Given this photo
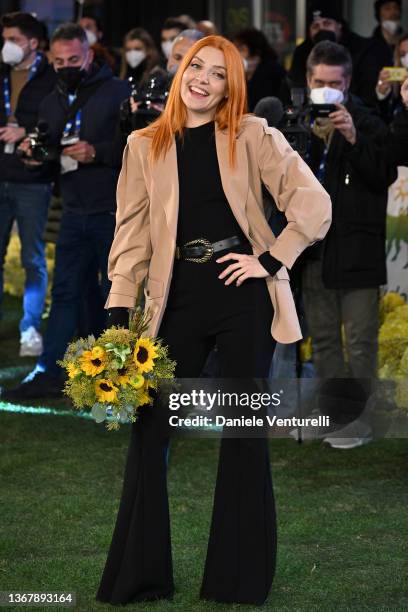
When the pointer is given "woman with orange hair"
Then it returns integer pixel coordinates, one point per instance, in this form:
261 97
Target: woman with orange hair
190 221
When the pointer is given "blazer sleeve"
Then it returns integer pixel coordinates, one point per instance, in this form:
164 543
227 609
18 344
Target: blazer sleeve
131 250
297 193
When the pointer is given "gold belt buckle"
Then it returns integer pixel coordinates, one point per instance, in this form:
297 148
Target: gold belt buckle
209 251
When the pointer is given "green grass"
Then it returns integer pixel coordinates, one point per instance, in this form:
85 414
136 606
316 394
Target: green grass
342 516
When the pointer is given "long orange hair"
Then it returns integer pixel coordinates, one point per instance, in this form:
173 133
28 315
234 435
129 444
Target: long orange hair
228 114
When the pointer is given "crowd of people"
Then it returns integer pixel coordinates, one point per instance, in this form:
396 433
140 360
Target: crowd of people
67 107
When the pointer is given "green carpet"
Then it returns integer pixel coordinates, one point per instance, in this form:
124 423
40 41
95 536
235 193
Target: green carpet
342 515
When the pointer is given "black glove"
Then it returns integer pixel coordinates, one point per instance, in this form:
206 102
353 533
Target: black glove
118 316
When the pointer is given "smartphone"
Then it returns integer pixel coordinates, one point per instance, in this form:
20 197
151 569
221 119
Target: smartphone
397 73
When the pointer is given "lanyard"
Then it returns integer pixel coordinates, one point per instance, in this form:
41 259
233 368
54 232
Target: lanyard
76 121
321 171
6 84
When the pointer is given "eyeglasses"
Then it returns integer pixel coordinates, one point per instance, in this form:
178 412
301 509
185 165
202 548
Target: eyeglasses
212 74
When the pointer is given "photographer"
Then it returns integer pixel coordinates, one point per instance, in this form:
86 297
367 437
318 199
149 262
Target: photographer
82 114
369 55
341 276
25 79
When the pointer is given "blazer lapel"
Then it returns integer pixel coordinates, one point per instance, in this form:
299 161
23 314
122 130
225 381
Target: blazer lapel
166 186
234 180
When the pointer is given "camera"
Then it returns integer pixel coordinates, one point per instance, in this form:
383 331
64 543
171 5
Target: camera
297 118
41 150
151 99
153 95
295 129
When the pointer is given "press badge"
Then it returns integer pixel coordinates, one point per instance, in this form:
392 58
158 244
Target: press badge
10 147
68 164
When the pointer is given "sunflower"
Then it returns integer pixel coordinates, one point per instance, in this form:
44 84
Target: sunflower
144 354
105 390
72 369
123 377
93 362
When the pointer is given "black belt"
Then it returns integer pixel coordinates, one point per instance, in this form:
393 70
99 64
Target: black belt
202 250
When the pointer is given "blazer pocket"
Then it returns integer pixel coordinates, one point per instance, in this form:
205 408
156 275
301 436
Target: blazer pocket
154 288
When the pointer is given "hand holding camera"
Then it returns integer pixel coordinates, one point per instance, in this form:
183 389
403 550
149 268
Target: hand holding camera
81 151
25 153
343 122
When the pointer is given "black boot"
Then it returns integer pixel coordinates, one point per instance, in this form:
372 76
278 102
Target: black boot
43 385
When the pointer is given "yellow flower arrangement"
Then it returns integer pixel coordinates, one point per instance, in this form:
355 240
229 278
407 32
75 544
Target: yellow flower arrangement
393 346
112 375
93 362
389 302
144 355
105 390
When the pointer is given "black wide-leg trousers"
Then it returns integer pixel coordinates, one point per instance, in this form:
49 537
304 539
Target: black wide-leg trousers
241 555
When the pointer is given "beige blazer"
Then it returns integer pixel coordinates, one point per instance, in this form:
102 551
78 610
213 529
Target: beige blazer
146 220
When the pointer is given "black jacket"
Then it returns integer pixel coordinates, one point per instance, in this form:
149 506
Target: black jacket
378 35
368 54
91 188
266 81
397 140
33 92
357 179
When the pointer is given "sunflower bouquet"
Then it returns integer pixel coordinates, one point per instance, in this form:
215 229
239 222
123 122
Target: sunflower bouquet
114 374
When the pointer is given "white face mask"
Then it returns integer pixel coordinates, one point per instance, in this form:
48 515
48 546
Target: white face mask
11 53
245 62
134 57
166 48
326 95
390 26
91 36
404 60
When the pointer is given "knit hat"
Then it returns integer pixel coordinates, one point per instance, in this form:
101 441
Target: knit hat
379 3
321 10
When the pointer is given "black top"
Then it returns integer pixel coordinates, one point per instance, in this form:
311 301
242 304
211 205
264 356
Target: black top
204 211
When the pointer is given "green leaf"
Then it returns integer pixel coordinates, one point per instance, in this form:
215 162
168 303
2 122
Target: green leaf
98 412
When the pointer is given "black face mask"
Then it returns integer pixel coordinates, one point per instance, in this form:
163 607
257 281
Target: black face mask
324 35
71 77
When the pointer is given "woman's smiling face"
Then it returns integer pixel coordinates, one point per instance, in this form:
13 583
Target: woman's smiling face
204 85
